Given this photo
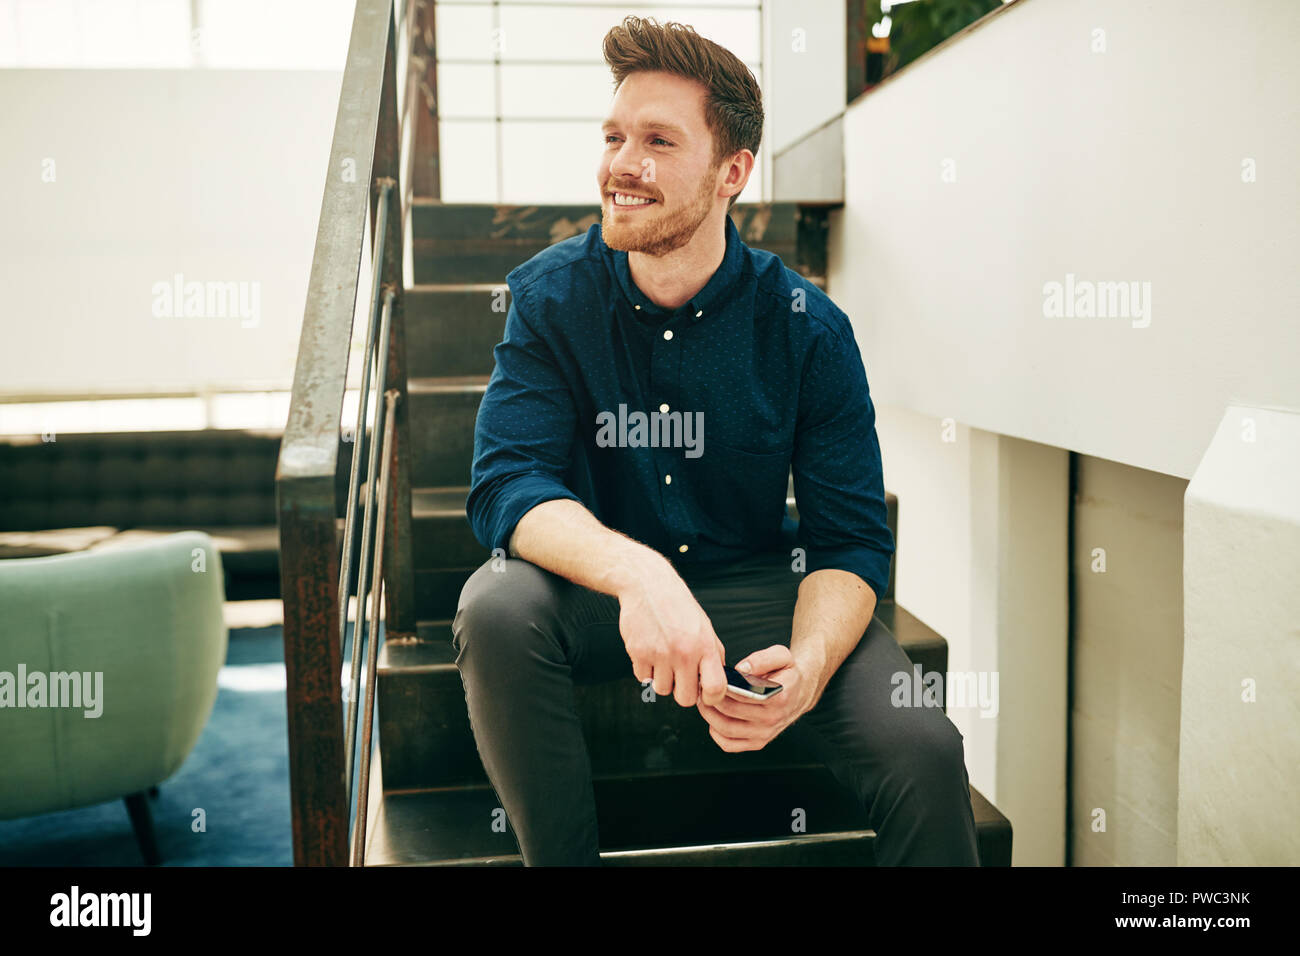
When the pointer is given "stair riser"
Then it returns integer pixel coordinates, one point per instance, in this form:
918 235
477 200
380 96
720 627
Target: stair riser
437 591
440 542
442 436
453 333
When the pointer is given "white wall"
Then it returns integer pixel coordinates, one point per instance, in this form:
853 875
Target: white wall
1116 165
1239 753
214 174
1127 664
982 531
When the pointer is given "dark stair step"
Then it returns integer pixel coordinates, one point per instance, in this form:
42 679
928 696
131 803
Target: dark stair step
451 330
441 535
444 549
442 415
729 817
427 741
482 242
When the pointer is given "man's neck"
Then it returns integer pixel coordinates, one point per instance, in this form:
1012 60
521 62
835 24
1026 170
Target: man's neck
670 280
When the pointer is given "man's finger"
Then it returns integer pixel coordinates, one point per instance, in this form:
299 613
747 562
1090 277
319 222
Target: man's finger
686 689
663 680
713 681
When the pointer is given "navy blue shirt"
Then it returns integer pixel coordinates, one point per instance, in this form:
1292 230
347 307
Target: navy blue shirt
760 357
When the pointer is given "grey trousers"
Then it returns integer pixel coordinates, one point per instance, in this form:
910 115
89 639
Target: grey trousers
524 636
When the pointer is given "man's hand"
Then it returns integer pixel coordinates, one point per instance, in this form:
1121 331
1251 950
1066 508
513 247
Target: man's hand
670 639
737 725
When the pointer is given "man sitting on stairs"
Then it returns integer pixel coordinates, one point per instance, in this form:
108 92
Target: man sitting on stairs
620 555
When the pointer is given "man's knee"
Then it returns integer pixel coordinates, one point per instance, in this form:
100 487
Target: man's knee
500 602
931 752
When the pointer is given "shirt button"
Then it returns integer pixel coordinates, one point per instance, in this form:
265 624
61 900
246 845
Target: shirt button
663 407
668 479
637 307
668 334
682 548
699 313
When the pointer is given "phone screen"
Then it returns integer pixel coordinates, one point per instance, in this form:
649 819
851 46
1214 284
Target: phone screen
760 686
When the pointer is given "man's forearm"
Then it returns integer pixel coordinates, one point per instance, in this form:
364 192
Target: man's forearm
565 538
833 611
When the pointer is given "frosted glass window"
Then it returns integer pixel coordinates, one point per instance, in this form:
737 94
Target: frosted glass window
669 10
464 31
280 34
466 90
102 34
550 162
469 161
571 92
574 34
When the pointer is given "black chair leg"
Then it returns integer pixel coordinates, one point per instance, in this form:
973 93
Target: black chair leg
142 823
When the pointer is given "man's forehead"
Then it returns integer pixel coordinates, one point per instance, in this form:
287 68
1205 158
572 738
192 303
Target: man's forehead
664 109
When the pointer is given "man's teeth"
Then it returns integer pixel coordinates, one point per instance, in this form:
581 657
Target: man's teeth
623 200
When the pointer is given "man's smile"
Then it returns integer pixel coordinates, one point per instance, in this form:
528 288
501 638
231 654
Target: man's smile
631 201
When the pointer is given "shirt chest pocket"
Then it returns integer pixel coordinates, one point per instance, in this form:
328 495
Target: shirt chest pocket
742 492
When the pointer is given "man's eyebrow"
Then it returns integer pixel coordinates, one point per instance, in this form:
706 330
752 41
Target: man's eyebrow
665 127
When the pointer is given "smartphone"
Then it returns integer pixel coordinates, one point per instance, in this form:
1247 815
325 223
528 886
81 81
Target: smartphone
753 688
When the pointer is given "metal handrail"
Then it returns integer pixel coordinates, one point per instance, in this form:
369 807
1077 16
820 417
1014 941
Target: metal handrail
372 645
367 532
315 579
363 635
362 407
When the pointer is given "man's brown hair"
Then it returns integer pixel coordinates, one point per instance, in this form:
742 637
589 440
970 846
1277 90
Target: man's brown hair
733 107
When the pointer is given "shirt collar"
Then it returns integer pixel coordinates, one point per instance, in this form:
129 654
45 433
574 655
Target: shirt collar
705 302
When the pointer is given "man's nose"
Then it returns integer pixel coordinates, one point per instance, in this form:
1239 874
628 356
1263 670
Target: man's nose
626 164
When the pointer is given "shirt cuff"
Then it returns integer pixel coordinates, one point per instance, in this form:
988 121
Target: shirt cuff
870 565
499 510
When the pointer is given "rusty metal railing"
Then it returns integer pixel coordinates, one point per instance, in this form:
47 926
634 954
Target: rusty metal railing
317 537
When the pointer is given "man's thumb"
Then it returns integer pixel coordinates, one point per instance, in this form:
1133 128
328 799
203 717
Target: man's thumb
765 660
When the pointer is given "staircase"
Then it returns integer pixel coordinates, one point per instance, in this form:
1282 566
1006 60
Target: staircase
431 803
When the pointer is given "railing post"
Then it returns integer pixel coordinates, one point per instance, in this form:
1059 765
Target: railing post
309 573
426 166
306 473
399 566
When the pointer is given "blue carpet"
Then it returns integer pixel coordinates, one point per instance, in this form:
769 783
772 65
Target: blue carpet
238 773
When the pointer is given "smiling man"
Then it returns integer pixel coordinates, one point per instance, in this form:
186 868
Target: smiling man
636 557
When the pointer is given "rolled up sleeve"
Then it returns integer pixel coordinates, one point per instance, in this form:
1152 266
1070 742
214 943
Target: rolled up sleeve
838 479
524 433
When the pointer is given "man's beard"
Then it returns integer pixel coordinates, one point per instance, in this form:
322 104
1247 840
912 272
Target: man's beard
659 235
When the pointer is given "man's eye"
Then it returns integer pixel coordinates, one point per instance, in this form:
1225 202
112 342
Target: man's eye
657 139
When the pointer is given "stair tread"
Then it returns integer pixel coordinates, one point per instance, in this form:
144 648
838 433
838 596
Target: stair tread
427 652
446 501
419 287
908 629
734 809
448 383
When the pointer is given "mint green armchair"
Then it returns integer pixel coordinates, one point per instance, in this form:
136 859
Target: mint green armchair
141 627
